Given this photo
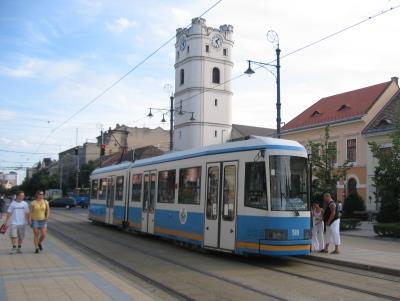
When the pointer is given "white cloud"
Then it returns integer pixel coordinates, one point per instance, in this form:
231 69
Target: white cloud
6 115
33 67
181 16
120 25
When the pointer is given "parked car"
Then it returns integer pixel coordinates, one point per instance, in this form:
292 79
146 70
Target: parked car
66 202
82 201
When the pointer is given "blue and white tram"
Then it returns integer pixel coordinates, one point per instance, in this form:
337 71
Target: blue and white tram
249 196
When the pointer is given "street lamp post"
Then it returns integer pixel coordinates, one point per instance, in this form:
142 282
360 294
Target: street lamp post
170 112
272 37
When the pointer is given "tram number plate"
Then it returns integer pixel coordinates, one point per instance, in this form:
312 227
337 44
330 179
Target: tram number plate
295 232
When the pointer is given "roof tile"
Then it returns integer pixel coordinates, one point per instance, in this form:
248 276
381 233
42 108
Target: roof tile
340 107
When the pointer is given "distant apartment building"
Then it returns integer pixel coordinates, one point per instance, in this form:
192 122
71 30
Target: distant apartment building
8 180
71 160
348 115
124 138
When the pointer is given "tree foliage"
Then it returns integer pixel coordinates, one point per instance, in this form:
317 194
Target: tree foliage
41 180
354 202
387 177
323 161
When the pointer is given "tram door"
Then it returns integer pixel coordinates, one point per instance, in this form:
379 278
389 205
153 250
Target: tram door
110 200
149 197
221 202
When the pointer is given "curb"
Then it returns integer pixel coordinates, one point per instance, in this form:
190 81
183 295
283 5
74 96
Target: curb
356 265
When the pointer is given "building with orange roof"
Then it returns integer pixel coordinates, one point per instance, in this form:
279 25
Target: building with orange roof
347 114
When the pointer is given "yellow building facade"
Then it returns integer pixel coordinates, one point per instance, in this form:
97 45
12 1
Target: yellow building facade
347 115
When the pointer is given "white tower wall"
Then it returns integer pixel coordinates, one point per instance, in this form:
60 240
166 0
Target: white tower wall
200 49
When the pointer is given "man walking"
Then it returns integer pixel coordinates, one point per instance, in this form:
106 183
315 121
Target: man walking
332 223
18 213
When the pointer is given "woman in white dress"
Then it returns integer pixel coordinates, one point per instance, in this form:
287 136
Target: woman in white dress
318 227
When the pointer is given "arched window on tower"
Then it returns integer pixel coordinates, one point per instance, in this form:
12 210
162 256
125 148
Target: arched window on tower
215 76
182 77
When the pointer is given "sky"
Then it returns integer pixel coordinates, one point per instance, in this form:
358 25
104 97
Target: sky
57 56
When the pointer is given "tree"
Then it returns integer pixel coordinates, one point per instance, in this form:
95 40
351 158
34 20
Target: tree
323 159
39 181
84 174
387 176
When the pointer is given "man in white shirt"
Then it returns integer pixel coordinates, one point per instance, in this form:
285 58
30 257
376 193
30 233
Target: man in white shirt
18 213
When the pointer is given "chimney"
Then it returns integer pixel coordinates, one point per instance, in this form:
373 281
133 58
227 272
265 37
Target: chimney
395 79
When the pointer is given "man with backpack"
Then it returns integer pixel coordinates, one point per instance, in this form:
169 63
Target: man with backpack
332 223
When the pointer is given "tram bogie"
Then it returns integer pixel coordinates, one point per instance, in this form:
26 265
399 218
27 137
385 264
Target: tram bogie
243 197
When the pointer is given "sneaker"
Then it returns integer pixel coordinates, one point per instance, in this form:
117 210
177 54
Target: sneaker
13 251
19 251
36 251
40 247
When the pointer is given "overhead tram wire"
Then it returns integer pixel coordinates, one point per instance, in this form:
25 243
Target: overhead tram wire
298 50
233 78
121 78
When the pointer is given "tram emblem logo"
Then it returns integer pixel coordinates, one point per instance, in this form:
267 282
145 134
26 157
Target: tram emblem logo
183 215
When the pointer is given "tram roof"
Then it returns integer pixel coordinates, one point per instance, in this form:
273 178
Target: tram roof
110 168
255 143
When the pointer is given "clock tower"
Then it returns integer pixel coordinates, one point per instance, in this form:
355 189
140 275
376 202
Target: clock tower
203 64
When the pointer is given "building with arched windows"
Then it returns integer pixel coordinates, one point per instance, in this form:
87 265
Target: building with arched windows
354 118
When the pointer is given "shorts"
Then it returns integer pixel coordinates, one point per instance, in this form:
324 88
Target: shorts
333 233
39 224
17 231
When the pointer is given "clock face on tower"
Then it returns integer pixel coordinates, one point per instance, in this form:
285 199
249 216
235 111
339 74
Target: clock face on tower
182 43
216 41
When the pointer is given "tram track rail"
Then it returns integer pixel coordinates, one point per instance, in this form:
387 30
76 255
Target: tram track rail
301 259
167 289
88 250
258 265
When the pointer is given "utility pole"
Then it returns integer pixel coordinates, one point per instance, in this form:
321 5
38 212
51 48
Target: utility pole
77 160
171 124
101 145
61 173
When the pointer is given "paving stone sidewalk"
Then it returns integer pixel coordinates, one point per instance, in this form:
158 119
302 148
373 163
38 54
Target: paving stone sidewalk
362 248
59 273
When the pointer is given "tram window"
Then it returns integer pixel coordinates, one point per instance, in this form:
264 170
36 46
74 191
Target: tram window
212 192
229 195
289 188
166 186
95 189
146 191
189 185
119 189
110 189
136 187
255 185
103 189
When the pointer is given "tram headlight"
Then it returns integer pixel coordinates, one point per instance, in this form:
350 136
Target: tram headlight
276 234
307 233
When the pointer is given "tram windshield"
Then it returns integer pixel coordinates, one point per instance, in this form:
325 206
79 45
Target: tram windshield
288 178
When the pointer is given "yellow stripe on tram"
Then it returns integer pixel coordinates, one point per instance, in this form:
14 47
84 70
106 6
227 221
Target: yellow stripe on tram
250 245
179 233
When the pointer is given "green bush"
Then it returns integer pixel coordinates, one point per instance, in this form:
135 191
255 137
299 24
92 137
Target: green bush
390 230
349 223
354 202
390 209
